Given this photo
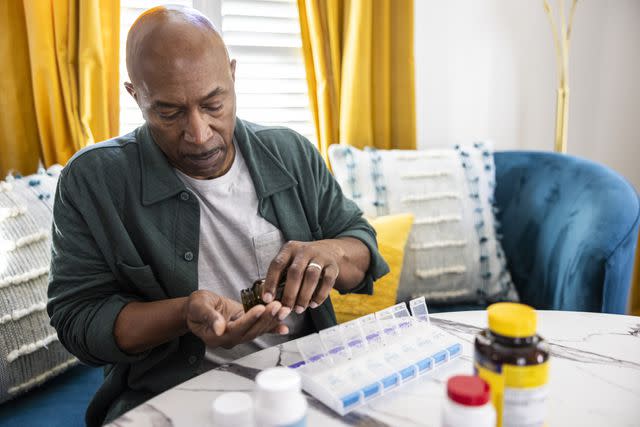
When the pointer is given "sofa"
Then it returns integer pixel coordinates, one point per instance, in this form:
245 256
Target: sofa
569 233
570 230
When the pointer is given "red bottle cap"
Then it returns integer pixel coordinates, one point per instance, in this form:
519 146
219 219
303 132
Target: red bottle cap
468 390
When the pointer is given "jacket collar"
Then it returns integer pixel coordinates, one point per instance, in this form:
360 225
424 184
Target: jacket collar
268 173
160 182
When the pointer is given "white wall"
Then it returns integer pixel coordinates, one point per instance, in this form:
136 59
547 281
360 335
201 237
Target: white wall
487 69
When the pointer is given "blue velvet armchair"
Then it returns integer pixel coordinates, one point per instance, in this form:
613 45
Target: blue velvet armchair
570 229
569 233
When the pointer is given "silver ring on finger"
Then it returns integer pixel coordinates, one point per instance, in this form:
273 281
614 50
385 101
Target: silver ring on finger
315 265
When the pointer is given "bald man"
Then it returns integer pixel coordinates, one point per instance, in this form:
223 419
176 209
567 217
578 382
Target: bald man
156 232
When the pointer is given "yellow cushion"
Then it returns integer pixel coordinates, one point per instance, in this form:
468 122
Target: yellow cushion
393 231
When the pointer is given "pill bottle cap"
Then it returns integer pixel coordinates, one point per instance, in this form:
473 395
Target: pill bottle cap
512 320
276 385
468 390
233 410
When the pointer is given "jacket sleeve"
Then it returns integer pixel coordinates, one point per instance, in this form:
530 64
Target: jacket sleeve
84 298
339 216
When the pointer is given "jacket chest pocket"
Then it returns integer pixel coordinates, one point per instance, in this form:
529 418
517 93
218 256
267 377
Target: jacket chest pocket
266 246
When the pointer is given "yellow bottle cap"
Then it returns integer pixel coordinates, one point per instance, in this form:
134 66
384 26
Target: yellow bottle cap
512 320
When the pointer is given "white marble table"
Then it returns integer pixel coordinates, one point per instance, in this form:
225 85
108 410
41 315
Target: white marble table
594 379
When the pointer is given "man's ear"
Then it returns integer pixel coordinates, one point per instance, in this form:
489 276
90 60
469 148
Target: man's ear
233 69
131 90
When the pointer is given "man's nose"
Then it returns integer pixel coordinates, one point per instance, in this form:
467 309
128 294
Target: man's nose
197 129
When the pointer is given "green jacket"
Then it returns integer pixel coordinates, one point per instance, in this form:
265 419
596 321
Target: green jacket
125 228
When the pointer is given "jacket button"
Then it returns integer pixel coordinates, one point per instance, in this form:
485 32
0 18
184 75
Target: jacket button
188 256
192 360
184 196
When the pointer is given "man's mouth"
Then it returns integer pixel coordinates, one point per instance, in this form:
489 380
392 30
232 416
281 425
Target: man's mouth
204 156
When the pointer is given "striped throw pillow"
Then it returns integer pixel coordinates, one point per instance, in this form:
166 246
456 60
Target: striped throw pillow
453 254
30 352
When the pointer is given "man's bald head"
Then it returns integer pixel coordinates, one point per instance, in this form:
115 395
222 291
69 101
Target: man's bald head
168 34
184 83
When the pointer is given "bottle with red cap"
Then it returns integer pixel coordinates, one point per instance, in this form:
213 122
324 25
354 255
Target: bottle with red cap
468 403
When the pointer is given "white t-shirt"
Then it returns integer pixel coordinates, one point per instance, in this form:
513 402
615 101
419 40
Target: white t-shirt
236 247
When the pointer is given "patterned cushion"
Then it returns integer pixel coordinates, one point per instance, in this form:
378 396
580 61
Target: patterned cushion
30 352
453 254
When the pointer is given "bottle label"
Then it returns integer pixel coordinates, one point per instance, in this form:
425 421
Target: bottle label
519 393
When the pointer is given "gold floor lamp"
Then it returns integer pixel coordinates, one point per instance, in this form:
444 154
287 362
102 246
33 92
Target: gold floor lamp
561 39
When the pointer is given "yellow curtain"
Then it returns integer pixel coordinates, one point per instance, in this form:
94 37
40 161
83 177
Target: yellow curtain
360 71
59 83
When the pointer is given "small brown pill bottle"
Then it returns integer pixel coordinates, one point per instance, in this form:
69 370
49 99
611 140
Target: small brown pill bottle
252 296
513 359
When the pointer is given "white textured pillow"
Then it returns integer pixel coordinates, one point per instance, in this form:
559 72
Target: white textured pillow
29 349
453 254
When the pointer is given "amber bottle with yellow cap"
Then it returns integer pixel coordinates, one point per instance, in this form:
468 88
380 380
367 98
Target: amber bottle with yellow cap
513 359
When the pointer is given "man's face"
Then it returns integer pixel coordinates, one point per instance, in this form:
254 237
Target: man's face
189 104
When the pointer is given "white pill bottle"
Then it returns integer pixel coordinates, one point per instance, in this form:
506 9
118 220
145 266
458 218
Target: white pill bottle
468 403
233 410
279 401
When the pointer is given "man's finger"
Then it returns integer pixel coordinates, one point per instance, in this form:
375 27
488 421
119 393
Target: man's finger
218 323
265 323
273 307
204 315
312 277
326 284
281 329
238 327
276 270
295 275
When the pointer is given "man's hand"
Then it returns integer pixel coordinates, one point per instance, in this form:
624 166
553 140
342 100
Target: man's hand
222 322
313 269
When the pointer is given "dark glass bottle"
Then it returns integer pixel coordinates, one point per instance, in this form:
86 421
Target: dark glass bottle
491 347
252 296
513 359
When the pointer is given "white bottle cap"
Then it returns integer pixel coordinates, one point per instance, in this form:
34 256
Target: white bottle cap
277 384
233 410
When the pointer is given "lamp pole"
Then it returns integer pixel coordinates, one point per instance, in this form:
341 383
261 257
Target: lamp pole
562 41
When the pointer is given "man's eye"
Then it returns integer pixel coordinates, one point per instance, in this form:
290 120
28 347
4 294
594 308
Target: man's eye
213 107
169 116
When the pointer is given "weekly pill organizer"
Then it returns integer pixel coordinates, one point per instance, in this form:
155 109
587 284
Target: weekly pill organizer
350 364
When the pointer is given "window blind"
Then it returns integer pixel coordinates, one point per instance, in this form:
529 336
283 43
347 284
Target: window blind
264 38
